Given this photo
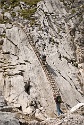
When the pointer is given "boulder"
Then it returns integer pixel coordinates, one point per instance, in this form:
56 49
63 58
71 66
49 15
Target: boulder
7 15
8 119
76 108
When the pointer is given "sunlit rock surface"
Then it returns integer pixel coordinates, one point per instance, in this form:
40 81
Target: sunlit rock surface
57 32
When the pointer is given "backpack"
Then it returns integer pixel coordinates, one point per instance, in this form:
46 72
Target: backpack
58 99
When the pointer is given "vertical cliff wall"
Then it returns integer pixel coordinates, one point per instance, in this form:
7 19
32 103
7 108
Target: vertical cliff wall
56 29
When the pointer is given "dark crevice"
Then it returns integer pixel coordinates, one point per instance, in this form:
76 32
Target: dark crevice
79 91
23 123
27 87
12 43
65 78
20 108
78 101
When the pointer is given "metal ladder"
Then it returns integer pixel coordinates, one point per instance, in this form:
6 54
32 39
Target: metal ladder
51 80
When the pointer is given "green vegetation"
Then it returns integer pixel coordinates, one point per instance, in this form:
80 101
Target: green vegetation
32 21
73 11
13 3
2 35
27 13
13 14
31 2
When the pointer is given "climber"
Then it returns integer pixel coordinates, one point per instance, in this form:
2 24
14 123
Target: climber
58 101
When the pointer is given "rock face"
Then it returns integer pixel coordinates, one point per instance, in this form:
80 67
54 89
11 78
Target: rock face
70 120
55 29
8 119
